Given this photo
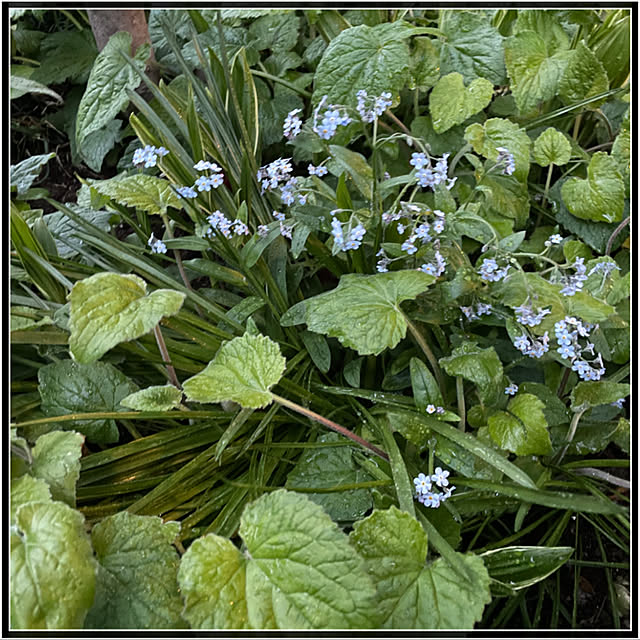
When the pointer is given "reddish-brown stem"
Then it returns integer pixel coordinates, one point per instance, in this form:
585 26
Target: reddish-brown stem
165 357
331 425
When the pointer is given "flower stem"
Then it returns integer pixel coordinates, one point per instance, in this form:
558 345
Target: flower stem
334 426
615 233
165 357
572 432
546 186
461 405
426 349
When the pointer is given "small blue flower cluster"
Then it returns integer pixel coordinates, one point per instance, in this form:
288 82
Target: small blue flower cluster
332 118
157 246
292 124
490 271
606 268
382 266
317 171
574 283
286 230
353 238
424 488
203 183
148 156
526 316
480 309
370 108
437 268
219 223
271 175
619 403
511 390
506 158
556 238
531 347
427 176
568 333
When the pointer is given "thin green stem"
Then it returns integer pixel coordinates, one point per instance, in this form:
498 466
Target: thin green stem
70 17
334 426
547 185
461 404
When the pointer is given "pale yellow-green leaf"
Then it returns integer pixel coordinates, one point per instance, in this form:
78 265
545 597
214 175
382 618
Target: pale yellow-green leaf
159 398
451 103
551 146
148 193
110 308
243 370
363 312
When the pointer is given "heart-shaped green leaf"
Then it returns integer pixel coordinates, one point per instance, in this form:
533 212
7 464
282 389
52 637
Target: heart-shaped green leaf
109 308
56 460
591 394
136 582
298 572
583 77
243 370
522 428
68 387
481 366
498 132
601 196
412 594
159 398
551 146
147 193
451 103
363 312
52 567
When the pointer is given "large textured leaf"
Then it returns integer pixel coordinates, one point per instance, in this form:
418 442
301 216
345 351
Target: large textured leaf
68 387
551 146
97 144
601 196
109 308
22 175
56 460
451 103
363 312
592 394
136 585
27 489
584 77
534 71
52 568
521 429
298 572
158 398
473 47
148 193
481 366
412 594
498 132
328 467
375 59
106 92
66 55
63 228
275 31
243 370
